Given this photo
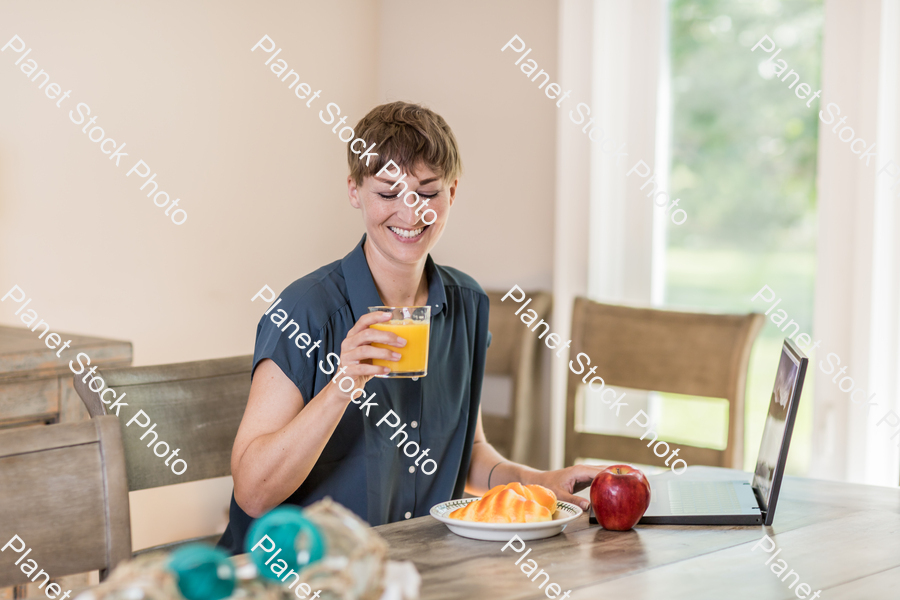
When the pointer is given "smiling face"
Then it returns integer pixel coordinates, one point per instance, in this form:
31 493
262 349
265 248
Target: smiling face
394 230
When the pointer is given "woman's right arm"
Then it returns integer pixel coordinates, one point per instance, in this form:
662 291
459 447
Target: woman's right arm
281 437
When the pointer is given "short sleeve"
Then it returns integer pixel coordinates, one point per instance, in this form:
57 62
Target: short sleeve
288 337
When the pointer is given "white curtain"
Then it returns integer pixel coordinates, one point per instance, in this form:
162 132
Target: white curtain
609 55
857 279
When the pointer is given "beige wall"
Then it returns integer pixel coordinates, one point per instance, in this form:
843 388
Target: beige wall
262 179
505 126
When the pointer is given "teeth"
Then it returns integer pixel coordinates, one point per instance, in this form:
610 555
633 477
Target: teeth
407 233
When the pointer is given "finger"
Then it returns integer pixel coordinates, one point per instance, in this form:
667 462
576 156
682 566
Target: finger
373 336
580 485
363 353
368 352
584 471
366 371
583 503
369 319
583 476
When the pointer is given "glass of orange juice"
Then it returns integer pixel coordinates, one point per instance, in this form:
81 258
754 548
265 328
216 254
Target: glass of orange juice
412 323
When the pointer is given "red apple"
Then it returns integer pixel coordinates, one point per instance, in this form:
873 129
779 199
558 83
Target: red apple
620 495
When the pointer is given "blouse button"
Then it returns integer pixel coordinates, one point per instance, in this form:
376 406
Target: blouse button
412 469
414 424
407 515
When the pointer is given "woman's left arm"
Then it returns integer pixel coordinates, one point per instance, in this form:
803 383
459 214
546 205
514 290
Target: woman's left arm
487 463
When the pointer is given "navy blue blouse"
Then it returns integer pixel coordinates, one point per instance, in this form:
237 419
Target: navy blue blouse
361 467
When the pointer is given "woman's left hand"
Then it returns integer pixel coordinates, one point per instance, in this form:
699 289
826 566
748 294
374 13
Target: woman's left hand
566 482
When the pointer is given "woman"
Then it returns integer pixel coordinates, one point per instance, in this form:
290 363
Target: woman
303 436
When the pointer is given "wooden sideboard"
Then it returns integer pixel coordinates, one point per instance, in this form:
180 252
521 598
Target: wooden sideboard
36 385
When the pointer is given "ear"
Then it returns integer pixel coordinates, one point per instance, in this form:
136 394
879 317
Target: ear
353 193
453 187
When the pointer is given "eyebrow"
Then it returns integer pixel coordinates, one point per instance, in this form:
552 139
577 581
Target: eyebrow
423 182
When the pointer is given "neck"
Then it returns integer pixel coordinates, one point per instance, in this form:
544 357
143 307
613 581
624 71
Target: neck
397 284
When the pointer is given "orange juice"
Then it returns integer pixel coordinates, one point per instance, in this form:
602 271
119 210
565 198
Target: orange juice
414 355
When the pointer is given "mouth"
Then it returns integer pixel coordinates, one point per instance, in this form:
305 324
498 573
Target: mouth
408 235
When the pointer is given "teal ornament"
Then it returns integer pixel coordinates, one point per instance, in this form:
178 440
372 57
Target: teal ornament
283 534
202 572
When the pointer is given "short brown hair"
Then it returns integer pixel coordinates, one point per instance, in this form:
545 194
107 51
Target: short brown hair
407 134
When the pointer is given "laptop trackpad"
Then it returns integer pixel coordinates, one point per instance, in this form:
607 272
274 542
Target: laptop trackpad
674 497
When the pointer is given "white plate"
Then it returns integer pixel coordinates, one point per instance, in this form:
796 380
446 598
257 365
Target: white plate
503 532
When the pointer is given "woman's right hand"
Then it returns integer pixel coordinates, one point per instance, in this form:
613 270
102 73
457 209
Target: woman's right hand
357 348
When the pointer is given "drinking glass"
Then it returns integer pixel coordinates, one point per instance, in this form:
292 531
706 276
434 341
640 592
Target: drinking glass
412 323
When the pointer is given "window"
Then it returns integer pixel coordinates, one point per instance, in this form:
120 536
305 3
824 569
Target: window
743 159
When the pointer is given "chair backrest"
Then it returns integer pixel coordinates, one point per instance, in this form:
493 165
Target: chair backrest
514 352
196 407
63 492
684 353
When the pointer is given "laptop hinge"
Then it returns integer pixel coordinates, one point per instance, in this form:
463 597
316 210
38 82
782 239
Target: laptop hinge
759 501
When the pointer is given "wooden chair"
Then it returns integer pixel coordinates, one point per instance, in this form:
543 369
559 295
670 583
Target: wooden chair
685 353
197 408
63 491
514 352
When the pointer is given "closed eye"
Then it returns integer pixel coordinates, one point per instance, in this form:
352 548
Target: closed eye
386 197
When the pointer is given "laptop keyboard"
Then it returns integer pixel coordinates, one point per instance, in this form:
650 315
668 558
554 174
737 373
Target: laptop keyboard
703 498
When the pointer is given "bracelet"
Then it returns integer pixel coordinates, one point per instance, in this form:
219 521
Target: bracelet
492 472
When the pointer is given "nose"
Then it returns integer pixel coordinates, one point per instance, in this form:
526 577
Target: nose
408 214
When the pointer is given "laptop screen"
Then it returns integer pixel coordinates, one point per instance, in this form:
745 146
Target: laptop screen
776 436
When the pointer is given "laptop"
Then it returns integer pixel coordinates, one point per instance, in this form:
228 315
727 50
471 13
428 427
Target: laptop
692 499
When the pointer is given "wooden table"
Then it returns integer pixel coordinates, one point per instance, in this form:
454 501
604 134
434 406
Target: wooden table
36 385
843 539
